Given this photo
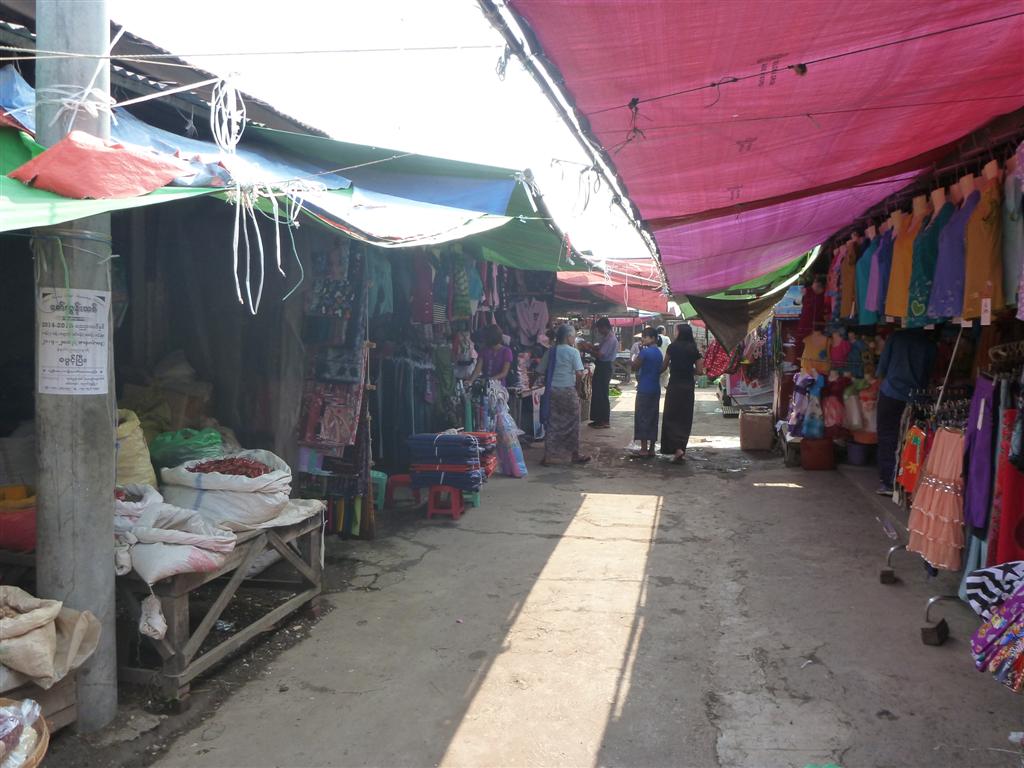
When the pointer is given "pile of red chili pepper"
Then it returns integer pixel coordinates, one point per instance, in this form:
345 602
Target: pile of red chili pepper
231 466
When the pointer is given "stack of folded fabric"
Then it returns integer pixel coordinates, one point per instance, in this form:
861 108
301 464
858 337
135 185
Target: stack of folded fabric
451 459
488 451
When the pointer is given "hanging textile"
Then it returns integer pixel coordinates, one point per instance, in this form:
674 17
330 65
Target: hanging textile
983 271
979 450
936 516
731 320
926 254
866 315
896 298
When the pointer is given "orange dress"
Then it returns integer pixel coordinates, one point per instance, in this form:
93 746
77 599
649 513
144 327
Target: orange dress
897 298
937 515
983 272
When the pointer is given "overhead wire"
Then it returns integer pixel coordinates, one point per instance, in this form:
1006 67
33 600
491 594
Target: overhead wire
820 113
36 53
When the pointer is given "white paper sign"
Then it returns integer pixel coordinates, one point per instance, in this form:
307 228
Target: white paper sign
73 341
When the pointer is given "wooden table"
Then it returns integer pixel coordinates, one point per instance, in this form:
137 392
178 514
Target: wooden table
300 546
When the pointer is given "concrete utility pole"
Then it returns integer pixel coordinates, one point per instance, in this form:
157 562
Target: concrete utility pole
76 412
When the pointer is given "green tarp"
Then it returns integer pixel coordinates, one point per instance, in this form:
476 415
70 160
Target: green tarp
528 243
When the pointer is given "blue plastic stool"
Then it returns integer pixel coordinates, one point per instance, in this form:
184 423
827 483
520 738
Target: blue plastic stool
472 499
379 480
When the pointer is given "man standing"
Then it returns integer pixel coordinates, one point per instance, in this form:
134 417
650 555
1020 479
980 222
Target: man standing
607 349
905 365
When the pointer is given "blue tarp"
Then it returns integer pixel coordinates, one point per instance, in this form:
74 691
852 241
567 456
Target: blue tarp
211 167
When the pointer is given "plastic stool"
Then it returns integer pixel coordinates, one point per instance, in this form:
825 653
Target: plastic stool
472 498
379 481
455 506
400 481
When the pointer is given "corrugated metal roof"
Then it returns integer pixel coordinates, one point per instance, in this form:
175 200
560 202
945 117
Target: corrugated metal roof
165 70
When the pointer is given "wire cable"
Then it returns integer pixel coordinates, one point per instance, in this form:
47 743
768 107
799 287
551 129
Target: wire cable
35 53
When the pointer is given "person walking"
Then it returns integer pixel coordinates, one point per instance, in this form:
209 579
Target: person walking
647 365
562 367
605 352
682 361
905 365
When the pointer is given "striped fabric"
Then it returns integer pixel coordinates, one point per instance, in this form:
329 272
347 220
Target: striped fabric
987 588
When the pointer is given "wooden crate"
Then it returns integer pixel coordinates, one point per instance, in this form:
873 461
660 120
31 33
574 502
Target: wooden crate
59 703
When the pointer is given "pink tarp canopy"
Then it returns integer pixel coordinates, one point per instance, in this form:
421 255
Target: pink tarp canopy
748 106
579 286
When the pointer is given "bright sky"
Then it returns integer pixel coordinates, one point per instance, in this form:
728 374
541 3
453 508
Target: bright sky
448 103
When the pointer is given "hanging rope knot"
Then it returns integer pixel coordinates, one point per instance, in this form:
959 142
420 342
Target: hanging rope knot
227 115
635 131
717 85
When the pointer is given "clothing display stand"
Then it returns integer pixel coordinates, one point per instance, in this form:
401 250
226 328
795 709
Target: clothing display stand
1005 361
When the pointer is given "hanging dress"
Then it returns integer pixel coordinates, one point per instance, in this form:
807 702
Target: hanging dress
937 514
865 316
926 255
881 265
1013 240
983 273
947 296
898 295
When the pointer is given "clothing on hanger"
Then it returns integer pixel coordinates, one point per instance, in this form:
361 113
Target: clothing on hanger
983 272
926 255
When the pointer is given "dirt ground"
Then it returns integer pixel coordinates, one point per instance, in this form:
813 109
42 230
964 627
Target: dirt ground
726 612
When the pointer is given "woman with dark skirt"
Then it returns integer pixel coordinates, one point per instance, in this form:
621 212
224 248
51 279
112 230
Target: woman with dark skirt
648 365
682 361
560 407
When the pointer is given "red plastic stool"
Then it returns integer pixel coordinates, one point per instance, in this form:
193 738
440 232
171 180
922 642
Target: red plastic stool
400 481
435 506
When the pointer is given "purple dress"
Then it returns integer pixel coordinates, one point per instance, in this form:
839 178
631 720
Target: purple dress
947 297
979 454
878 281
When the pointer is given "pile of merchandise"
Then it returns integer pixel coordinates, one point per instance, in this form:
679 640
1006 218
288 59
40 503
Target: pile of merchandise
997 595
488 451
455 459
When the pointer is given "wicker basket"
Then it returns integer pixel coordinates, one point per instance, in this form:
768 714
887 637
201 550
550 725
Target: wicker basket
43 732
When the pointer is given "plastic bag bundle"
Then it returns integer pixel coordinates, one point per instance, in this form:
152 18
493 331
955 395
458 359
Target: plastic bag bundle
18 735
169 449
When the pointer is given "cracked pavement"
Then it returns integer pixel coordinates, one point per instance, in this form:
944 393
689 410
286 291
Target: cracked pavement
625 614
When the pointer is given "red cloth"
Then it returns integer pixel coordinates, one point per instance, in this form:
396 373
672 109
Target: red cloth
716 360
813 312
81 166
1006 530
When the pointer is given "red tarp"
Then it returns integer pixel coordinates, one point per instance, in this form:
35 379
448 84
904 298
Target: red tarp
736 123
583 286
82 166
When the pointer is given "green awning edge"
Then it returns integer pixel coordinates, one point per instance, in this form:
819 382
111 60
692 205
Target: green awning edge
24 207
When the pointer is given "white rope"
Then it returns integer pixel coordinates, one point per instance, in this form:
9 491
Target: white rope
227 116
